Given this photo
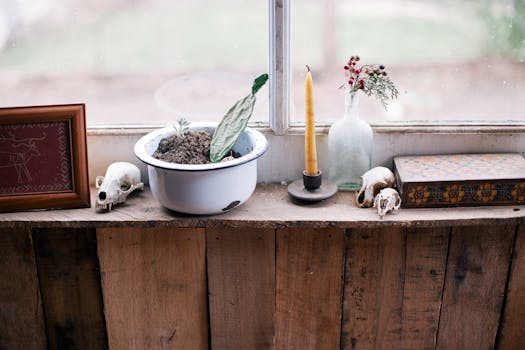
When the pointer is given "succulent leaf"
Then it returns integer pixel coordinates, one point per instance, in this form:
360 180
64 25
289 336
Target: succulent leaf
259 82
234 122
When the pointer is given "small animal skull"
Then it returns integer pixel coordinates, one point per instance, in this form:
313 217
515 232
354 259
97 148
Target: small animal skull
374 180
387 200
121 179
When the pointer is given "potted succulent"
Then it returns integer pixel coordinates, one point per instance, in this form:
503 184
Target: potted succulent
224 177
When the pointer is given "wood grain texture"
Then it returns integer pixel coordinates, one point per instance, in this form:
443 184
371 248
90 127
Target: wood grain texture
241 285
374 274
393 285
309 286
22 323
426 258
269 207
154 286
512 328
70 286
477 267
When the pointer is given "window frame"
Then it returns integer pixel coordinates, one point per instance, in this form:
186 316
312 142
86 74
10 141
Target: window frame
279 61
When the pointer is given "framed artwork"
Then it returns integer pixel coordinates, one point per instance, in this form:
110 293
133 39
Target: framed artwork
43 158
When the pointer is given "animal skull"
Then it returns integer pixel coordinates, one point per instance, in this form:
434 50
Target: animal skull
121 179
388 200
374 180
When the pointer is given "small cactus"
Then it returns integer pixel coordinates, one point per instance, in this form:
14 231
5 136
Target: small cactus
181 127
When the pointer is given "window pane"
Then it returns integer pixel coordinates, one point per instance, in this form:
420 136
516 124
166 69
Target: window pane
450 60
134 61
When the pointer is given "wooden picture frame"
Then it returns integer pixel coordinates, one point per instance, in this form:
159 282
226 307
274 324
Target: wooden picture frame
43 158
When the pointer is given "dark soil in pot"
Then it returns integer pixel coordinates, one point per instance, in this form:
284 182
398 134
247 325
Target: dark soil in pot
193 148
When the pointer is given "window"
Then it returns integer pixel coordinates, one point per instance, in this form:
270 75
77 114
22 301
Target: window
451 60
151 61
134 62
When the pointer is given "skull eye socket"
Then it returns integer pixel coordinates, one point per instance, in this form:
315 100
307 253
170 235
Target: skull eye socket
361 197
102 195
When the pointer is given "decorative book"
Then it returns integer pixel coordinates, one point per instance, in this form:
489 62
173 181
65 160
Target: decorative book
460 180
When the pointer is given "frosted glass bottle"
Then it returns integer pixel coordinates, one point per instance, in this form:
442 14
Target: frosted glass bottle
349 147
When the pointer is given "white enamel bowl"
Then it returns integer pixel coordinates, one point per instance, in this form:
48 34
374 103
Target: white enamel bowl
203 189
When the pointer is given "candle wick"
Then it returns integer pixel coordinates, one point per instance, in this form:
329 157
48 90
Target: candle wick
307 67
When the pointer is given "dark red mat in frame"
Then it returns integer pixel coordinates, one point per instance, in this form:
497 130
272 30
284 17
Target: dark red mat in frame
43 158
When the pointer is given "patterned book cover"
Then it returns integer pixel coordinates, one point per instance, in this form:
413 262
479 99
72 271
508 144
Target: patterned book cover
460 180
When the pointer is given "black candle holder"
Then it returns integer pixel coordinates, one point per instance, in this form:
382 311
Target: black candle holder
311 188
312 182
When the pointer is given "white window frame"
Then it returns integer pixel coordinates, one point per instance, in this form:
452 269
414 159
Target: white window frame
279 65
284 159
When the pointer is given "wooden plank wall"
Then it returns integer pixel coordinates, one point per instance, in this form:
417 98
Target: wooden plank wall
246 288
241 284
154 287
309 288
22 324
69 281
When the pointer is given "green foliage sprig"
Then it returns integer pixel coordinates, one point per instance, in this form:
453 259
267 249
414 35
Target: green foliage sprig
372 79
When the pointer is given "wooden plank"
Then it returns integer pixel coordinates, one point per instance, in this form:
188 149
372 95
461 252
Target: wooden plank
154 286
373 292
241 285
477 267
512 327
70 285
268 207
309 286
426 258
22 323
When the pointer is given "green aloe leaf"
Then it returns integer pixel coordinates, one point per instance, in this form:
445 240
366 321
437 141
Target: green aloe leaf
234 122
259 82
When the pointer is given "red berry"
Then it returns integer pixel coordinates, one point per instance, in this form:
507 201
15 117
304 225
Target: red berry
353 63
361 81
357 71
351 81
347 67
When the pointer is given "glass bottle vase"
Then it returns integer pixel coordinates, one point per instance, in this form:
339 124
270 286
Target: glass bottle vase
349 147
